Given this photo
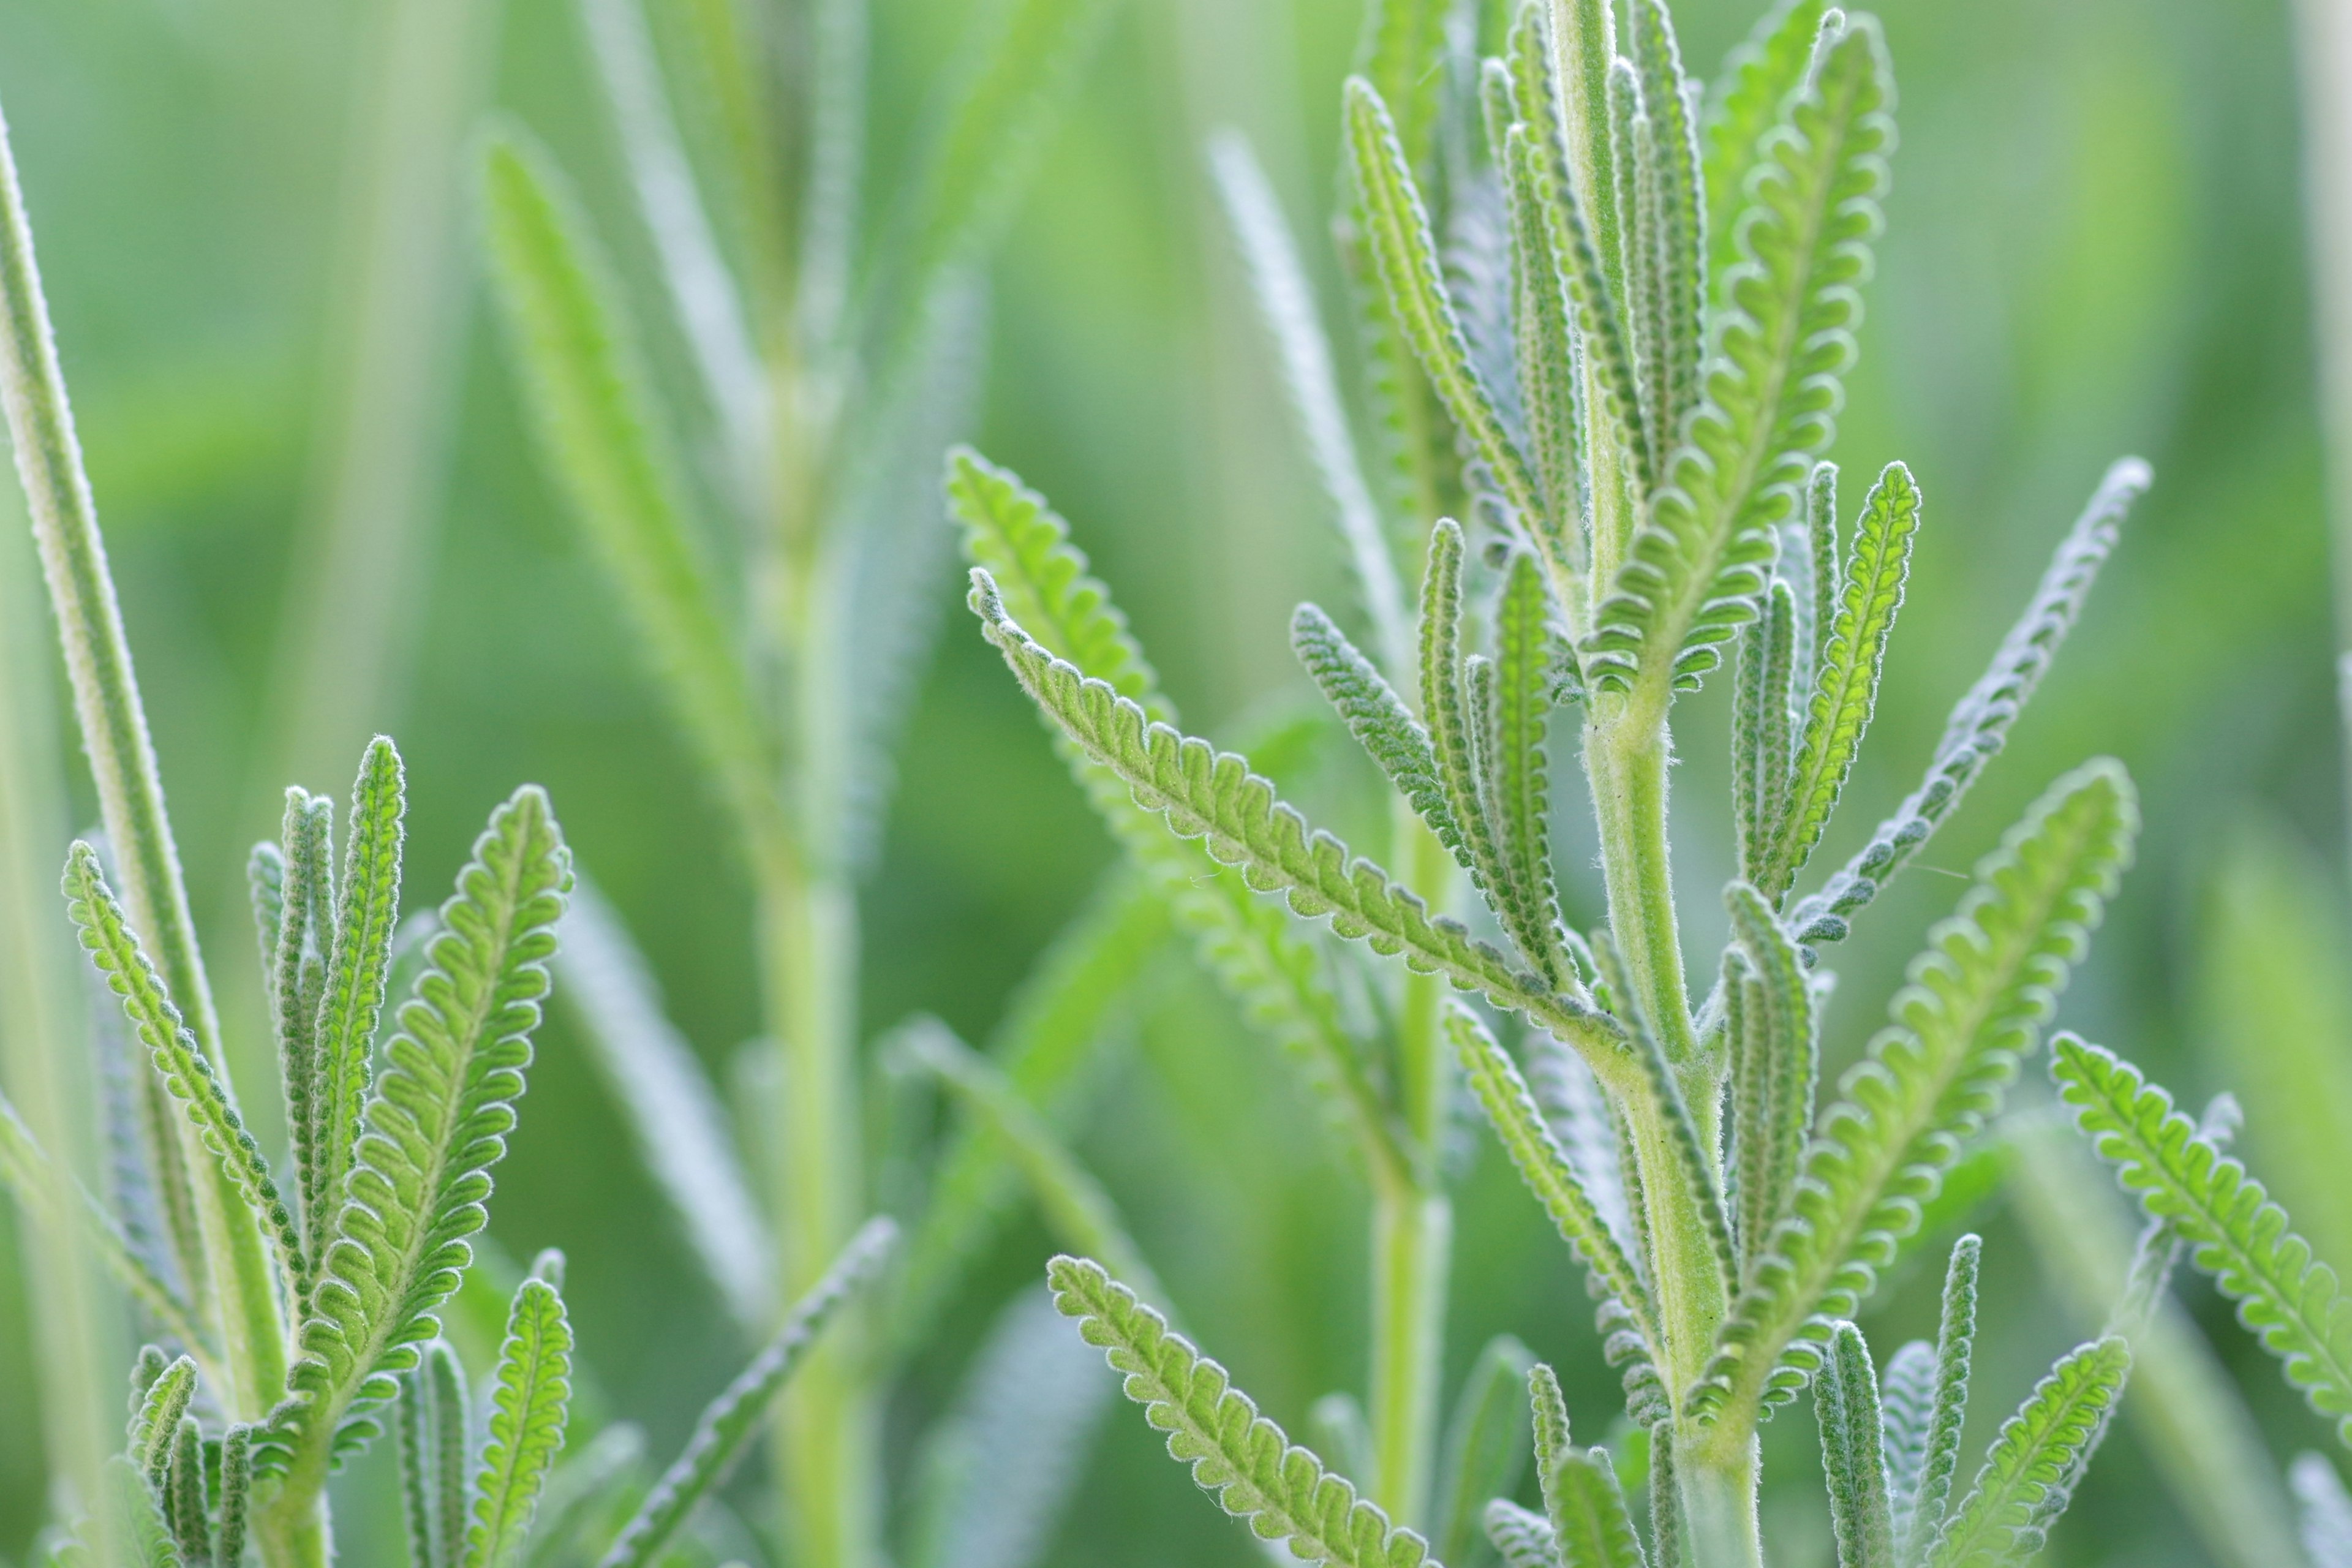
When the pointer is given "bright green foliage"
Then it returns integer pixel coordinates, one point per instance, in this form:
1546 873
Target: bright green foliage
1762 730
1458 729
1976 1001
1907 1403
235 1493
1377 718
1679 198
155 1418
1922 1503
107 937
2035 1462
1519 793
1774 1039
2234 1233
1587 1516
1524 1539
1867 593
1761 73
183 1496
295 944
1400 37
530 1395
1485 1445
731 1421
141 1530
431 1417
1854 1452
437 1119
1237 1456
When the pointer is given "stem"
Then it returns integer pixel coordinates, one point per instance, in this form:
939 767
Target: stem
130 788
1719 1488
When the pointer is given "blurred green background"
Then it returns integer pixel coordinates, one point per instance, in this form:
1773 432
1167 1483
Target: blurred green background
2095 248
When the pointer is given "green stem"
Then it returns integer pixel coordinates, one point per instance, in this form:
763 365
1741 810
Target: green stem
130 788
1720 1485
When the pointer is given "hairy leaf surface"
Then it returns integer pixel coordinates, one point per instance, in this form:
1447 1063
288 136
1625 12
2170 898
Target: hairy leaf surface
2030 1475
531 1395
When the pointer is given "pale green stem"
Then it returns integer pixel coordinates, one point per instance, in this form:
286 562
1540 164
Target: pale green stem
1720 1490
130 788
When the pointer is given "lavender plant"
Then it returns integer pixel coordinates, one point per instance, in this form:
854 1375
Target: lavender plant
1622 365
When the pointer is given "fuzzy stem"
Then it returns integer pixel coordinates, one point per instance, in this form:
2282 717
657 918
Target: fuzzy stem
1719 1486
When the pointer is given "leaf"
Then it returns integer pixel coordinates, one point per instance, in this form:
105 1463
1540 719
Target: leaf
729 1422
1682 246
1285 299
1212 795
1517 789
1845 687
1760 75
1404 53
1237 1456
437 1119
1907 1400
1543 350
1378 719
1406 255
1075 1208
1761 723
353 994
2030 1475
2234 1232
432 1422
2326 1511
155 1417
1774 1063
659 1086
1780 346
996 1472
141 1535
1485 1445
1523 1539
1589 1523
295 973
1974 1006
1456 737
1981 719
530 1396
107 937
591 401
183 1494
1510 1108
1923 1510
1854 1452
236 1490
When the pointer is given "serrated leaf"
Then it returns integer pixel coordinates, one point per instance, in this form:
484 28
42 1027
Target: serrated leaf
1761 731
1907 1403
1378 719
1927 1501
1759 76
530 1395
1781 345
659 1086
141 1534
185 1509
1981 719
1523 1539
236 1492
1402 53
1680 245
295 970
729 1422
1775 1043
2030 1475
1974 1006
1854 1452
1485 1445
434 1444
1456 735
1516 786
1543 349
437 1119
1845 687
155 1417
2289 1299
1236 1455
1584 1506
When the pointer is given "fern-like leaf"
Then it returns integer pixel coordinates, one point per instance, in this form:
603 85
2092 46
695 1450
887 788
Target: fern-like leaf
1854 1452
1907 1403
436 1120
295 969
236 1492
1761 731
142 1536
1759 77
1237 1456
2030 1475
1377 718
1927 1501
1974 1006
530 1396
155 1419
1543 350
431 1419
186 1510
1980 721
1485 1445
1845 685
1585 1508
1775 1062
2289 1299
1681 202
729 1422
1781 345
1515 786
1521 1539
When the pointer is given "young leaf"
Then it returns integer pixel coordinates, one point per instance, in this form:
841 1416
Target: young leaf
1974 1006
1485 1445
729 1423
529 1399
1854 1452
2234 1232
433 1443
1759 77
1403 54
183 1495
1761 723
1206 793
1379 719
155 1418
297 976
1981 719
2327 1511
2030 1475
1516 786
1907 1403
1543 352
1940 1443
1774 1063
659 1086
1587 1523
1845 685
236 1492
1455 736
1781 345
436 1120
142 1535
1523 1539
1670 101
1237 1456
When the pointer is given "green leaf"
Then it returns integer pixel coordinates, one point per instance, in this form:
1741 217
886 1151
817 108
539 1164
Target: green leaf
591 403
1516 788
1523 1539
1775 1061
531 1398
729 1422
2030 1475
295 973
353 994
2326 1511
183 1494
1854 1452
1543 352
1455 736
1759 77
107 937
1761 724
1680 266
1405 253
1845 685
1379 719
236 1492
432 1422
2235 1234
141 1533
1975 1005
1510 1108
1485 1445
1927 1501
1588 1520
1403 53
1287 301
658 1084
437 1119
1981 719
1207 794
1075 1208
1780 346
1237 1456
155 1417
1907 1404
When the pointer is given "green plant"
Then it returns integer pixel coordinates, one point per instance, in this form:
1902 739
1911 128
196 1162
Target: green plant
1634 336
